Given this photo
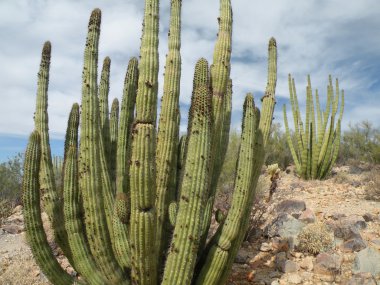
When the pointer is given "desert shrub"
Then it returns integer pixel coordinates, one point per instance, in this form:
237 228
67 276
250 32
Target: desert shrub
277 149
315 238
10 185
227 176
372 189
360 143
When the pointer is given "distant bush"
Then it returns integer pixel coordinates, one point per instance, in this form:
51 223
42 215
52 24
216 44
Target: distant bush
10 184
360 143
372 188
277 150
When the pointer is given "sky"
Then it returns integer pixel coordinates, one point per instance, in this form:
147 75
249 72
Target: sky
316 37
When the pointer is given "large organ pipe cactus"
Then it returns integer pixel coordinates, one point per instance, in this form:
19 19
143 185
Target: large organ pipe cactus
317 142
137 202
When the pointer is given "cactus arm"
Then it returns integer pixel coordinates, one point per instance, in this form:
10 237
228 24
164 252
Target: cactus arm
50 196
222 246
269 101
187 232
90 161
143 165
34 229
83 260
181 159
122 205
220 74
168 132
290 142
146 101
313 134
104 88
114 121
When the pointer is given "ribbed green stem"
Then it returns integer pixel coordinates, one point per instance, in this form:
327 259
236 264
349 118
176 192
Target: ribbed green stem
50 197
146 101
168 133
194 187
122 199
222 246
269 101
32 214
90 173
104 88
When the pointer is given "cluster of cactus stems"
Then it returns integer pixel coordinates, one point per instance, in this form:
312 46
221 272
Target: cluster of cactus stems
317 142
137 202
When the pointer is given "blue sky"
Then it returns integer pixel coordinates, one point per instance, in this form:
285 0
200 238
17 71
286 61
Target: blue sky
316 37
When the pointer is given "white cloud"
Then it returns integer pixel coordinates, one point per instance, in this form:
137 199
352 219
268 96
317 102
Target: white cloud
316 37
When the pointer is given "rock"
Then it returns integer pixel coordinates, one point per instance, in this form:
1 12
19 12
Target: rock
291 207
367 260
265 247
13 229
336 216
307 216
17 209
362 279
349 227
280 244
307 263
368 217
241 259
355 244
294 278
285 265
327 264
286 226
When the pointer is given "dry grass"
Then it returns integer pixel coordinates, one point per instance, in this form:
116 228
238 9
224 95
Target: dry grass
373 185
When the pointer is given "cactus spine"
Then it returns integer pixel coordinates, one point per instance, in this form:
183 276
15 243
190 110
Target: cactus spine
132 192
317 144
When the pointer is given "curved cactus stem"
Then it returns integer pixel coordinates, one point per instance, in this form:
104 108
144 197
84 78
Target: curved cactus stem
83 260
104 88
50 197
194 187
168 132
290 142
268 100
220 252
91 160
122 207
34 228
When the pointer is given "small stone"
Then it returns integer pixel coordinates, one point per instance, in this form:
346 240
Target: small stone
368 217
307 216
355 244
265 247
327 264
13 229
336 216
291 206
240 259
307 263
280 244
294 278
285 265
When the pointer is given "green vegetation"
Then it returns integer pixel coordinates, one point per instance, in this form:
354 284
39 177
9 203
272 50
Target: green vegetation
318 141
10 185
137 201
360 143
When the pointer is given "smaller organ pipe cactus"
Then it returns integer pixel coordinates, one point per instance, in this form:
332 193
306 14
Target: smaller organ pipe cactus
317 141
128 184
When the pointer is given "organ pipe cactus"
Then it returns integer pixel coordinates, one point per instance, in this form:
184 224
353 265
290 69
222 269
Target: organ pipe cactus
137 201
317 142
